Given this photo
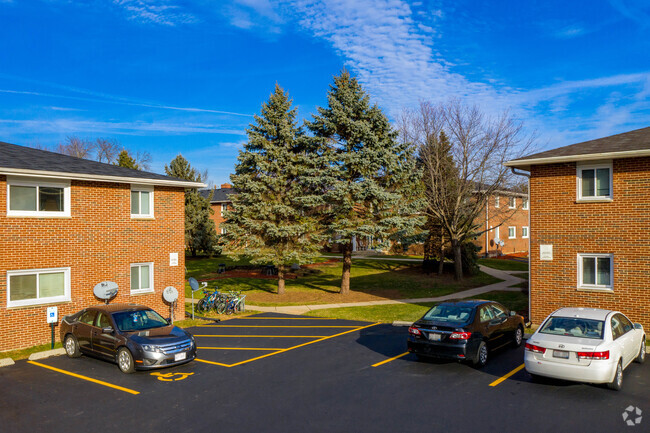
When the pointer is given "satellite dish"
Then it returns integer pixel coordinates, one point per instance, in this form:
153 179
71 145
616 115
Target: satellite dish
193 284
105 290
170 294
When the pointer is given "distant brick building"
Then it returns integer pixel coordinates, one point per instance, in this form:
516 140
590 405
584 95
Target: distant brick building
504 225
590 226
219 202
67 224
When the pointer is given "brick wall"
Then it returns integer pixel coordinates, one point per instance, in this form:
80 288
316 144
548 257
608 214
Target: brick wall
216 216
98 242
505 217
620 227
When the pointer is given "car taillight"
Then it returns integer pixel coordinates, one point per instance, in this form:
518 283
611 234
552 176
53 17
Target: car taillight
536 349
460 336
593 355
414 331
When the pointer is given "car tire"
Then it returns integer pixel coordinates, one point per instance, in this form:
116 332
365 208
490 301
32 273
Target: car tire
617 383
518 337
481 355
125 361
641 356
71 346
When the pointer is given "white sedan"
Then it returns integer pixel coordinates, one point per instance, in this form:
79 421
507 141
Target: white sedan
585 345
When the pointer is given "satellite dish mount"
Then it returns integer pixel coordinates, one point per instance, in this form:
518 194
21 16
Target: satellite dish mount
106 290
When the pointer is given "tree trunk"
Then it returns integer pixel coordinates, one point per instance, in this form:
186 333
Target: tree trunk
281 280
347 265
458 259
441 257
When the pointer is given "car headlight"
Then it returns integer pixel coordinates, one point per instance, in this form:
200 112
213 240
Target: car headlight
151 348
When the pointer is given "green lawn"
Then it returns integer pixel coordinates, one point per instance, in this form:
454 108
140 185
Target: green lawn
504 264
24 353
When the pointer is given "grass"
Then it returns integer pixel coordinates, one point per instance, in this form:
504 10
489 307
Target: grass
24 353
515 301
504 264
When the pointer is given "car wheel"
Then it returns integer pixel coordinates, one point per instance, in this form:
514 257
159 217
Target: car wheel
71 346
617 383
125 360
481 355
641 356
518 337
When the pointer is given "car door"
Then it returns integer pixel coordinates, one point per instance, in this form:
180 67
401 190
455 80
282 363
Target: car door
82 329
104 344
488 325
618 342
630 346
499 324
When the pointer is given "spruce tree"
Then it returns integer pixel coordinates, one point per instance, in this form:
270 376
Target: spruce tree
200 232
274 216
372 177
124 159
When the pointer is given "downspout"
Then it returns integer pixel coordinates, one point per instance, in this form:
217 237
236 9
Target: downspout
487 244
529 237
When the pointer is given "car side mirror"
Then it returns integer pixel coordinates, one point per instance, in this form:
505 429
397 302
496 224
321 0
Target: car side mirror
638 326
107 330
169 320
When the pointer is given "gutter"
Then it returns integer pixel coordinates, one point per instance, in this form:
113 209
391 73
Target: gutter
526 163
530 253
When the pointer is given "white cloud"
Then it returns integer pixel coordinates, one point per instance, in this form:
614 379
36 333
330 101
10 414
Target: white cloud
162 12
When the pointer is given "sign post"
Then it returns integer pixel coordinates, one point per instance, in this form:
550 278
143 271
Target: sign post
52 319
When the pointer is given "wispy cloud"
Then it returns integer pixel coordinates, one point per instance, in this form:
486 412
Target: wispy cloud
635 10
162 12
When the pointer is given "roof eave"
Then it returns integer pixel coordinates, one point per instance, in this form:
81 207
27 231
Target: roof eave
525 164
99 178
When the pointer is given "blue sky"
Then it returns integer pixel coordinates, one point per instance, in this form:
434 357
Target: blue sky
181 76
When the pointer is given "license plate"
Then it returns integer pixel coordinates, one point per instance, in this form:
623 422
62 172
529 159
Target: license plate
561 354
180 356
435 337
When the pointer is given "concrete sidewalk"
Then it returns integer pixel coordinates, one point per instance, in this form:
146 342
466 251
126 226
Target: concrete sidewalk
509 280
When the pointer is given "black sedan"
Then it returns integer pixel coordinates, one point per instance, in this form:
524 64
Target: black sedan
465 330
133 336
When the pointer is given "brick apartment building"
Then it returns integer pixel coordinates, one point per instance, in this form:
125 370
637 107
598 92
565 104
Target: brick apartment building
504 223
70 223
220 202
590 226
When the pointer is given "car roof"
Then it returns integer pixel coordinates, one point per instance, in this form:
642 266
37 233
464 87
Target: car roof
585 313
113 308
464 302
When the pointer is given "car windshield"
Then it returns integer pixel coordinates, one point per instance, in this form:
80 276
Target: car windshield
138 320
574 327
449 313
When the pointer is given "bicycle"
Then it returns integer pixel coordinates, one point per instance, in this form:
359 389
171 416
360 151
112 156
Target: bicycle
209 300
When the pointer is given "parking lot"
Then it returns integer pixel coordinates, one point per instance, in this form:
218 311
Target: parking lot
279 373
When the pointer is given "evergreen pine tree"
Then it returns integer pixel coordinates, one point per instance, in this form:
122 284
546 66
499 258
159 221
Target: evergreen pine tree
274 216
200 233
124 159
372 177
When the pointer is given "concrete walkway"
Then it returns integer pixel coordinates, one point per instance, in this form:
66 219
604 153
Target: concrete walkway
509 280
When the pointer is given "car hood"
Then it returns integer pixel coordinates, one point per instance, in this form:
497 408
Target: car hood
162 335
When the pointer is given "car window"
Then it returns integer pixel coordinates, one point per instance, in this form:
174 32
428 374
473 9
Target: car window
573 327
486 313
88 317
138 320
103 321
448 313
627 325
617 327
498 310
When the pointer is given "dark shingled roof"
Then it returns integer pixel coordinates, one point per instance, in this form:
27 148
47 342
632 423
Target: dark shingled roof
13 156
637 140
219 195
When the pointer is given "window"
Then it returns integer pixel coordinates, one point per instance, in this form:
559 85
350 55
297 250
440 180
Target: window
88 317
524 232
37 198
513 202
496 201
485 313
38 286
498 311
496 234
223 231
524 203
141 201
103 321
224 208
595 271
512 232
595 182
141 278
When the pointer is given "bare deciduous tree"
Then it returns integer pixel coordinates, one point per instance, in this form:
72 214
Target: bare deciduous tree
77 147
143 159
479 145
106 150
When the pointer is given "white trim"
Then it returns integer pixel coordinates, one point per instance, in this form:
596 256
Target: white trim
148 289
525 205
139 189
496 233
510 200
524 164
526 235
39 301
512 229
497 201
582 167
607 287
98 178
37 183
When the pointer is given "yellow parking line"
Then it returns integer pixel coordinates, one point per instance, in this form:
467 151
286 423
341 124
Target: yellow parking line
502 378
211 362
390 359
265 336
89 379
271 326
239 348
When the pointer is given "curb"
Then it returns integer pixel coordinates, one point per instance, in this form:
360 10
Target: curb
46 354
6 362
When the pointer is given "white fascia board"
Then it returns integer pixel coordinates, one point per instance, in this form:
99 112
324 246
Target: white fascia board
524 164
99 178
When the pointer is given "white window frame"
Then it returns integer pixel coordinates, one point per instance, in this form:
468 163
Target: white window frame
496 234
524 232
33 182
39 301
224 208
151 283
510 200
524 204
513 230
142 188
608 287
496 201
582 167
